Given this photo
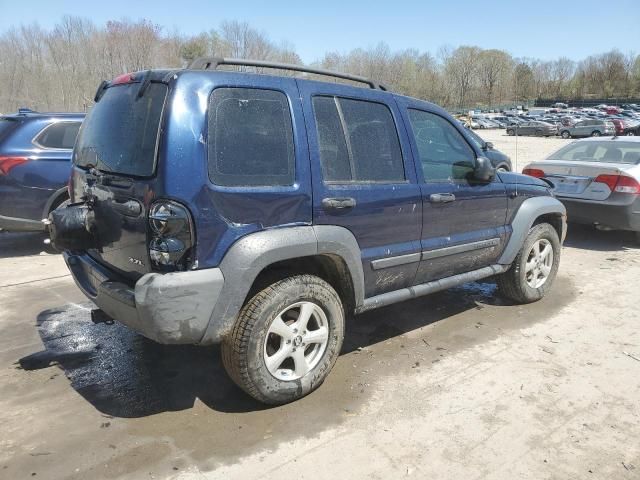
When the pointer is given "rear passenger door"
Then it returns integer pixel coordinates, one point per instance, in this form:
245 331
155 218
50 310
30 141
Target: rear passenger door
364 179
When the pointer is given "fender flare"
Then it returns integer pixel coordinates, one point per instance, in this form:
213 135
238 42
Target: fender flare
529 211
251 254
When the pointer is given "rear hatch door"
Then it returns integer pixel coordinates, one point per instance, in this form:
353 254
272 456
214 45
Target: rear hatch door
115 166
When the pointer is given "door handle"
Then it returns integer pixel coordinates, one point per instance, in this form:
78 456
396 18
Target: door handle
338 203
442 197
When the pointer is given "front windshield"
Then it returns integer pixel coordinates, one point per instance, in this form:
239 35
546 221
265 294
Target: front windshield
609 151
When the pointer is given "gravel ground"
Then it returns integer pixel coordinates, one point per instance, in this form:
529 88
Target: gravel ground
460 384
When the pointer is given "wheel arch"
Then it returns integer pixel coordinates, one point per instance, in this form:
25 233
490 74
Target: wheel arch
330 252
533 211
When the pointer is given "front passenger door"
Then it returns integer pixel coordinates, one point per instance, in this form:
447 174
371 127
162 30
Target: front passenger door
463 226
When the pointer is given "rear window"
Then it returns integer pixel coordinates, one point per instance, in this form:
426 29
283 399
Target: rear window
60 135
120 133
605 151
250 138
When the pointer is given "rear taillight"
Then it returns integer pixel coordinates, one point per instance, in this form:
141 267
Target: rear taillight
619 183
8 163
533 172
172 236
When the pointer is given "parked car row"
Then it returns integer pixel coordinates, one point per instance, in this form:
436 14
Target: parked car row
560 120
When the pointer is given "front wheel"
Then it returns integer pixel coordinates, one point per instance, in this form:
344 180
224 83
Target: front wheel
286 340
535 267
565 134
596 133
511 132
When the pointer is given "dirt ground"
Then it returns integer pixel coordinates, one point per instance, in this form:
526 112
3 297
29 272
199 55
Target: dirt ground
457 385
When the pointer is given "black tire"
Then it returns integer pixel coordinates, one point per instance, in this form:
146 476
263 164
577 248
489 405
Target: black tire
565 134
638 238
60 202
243 351
513 284
630 134
596 133
503 168
510 132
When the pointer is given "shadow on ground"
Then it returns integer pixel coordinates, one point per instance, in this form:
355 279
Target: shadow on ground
23 244
125 375
589 238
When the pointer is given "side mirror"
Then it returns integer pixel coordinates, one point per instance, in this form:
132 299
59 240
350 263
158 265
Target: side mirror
488 146
484 171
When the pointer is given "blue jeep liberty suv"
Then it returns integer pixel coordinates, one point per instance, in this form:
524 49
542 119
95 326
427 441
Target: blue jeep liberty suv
258 211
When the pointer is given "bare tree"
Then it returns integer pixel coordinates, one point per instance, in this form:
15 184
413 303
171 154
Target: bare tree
60 68
494 67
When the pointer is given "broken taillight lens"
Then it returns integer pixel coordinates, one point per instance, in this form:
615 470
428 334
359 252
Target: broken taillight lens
172 236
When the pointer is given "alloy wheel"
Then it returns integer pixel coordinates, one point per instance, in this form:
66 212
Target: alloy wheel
539 263
296 341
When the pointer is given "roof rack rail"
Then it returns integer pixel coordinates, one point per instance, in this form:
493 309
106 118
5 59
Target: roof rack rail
24 111
206 63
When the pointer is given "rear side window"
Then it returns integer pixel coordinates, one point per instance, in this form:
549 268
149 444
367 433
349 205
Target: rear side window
120 133
250 138
58 135
358 141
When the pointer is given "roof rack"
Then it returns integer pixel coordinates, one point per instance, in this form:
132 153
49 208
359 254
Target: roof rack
206 63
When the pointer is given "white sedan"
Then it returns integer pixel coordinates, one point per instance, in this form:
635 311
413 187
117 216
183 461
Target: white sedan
598 180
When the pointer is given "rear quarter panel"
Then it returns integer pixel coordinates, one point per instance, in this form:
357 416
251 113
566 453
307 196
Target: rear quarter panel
222 215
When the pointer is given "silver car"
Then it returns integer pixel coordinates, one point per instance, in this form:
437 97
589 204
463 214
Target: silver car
598 180
588 128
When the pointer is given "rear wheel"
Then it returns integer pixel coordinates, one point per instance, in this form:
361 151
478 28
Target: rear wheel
565 134
511 132
535 267
596 133
630 134
286 340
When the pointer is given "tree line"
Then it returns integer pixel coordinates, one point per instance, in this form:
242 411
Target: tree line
60 68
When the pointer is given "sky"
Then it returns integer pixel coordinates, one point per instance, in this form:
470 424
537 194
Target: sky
526 28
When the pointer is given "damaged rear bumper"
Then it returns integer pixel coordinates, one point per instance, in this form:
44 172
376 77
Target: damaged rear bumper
171 308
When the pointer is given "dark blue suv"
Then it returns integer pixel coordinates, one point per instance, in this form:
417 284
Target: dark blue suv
259 211
35 163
